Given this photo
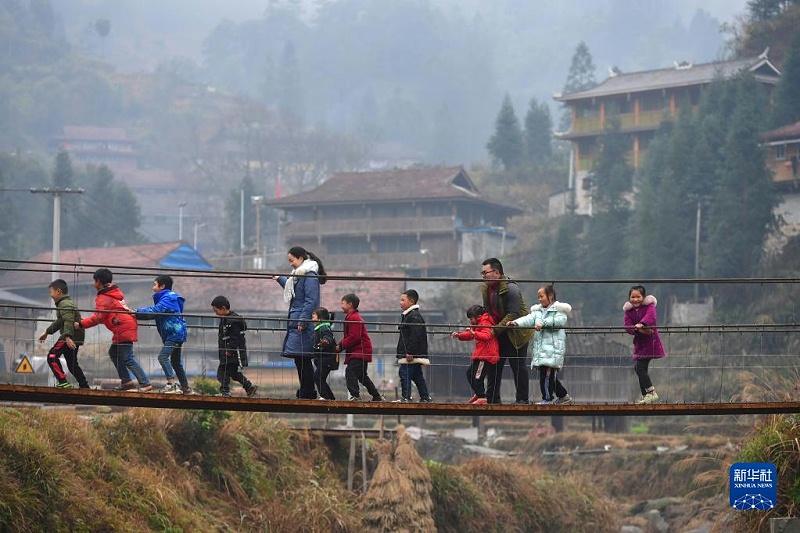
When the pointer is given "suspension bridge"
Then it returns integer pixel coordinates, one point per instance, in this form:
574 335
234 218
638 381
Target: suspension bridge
712 367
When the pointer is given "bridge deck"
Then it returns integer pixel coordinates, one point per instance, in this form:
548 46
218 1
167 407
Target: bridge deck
53 395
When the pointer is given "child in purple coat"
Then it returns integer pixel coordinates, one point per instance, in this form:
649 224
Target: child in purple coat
640 321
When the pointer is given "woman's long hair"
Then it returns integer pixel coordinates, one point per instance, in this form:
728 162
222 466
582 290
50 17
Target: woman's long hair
299 251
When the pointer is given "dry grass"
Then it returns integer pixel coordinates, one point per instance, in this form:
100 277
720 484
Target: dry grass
488 495
170 471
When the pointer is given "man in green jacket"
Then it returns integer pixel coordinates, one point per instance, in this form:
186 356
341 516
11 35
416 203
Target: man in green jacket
503 299
69 340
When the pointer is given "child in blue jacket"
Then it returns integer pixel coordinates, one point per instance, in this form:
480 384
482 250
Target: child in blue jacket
548 318
167 311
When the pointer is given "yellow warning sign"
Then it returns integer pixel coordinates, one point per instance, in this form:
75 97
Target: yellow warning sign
24 366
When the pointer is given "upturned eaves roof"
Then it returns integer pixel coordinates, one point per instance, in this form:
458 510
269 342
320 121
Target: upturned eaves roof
417 184
647 80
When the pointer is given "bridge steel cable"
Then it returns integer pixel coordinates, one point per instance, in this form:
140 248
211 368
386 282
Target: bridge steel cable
726 369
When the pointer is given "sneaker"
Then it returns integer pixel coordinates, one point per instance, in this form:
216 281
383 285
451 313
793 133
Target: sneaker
171 388
128 385
224 394
146 388
64 385
566 400
522 402
402 400
472 400
480 401
354 399
647 399
252 391
188 391
545 402
426 400
378 398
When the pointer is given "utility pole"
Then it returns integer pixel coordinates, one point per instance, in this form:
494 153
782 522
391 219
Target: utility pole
56 192
699 198
180 220
257 200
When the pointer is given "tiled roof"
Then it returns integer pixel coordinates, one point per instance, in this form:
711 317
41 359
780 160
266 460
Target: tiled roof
93 133
416 184
674 77
117 258
263 294
792 131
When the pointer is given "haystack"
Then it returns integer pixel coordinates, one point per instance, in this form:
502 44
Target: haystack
411 466
386 503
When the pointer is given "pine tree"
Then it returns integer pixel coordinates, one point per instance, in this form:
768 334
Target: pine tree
538 135
581 71
612 175
579 78
108 213
741 213
506 145
9 231
787 93
290 99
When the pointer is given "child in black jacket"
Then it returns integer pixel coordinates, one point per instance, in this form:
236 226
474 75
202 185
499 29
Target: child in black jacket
232 348
326 360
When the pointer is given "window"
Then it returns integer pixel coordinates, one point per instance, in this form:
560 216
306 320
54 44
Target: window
396 244
349 246
587 110
780 152
653 101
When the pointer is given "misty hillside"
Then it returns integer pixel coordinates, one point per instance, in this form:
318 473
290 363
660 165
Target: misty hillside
395 72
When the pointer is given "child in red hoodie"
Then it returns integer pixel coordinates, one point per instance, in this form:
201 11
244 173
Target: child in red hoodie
486 353
356 342
110 310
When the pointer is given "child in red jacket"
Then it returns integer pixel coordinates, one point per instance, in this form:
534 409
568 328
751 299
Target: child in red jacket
111 311
358 346
486 353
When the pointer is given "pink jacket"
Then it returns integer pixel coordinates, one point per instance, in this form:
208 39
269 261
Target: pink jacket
645 345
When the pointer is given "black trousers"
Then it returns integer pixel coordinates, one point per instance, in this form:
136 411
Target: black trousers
71 357
355 373
229 370
640 366
549 384
476 374
321 372
516 360
305 375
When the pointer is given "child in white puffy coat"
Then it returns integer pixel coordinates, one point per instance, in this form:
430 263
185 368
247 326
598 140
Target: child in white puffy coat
548 318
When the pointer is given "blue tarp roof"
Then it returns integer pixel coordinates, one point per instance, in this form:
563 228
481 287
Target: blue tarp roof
184 256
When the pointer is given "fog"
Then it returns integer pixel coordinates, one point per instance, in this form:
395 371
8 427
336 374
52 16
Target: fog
399 72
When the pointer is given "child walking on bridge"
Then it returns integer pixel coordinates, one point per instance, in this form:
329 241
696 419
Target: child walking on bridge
548 318
486 353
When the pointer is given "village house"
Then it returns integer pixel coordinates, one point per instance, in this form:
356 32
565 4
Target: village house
783 158
421 221
98 145
640 101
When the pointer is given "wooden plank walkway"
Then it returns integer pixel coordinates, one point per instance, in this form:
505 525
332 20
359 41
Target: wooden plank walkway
52 395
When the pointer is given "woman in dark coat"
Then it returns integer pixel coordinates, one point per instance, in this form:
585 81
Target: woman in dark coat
301 292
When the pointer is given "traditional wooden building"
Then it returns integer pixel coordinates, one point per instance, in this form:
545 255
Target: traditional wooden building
783 159
425 221
98 145
783 154
640 101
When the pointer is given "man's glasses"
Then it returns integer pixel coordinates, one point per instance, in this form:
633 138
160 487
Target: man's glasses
485 273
